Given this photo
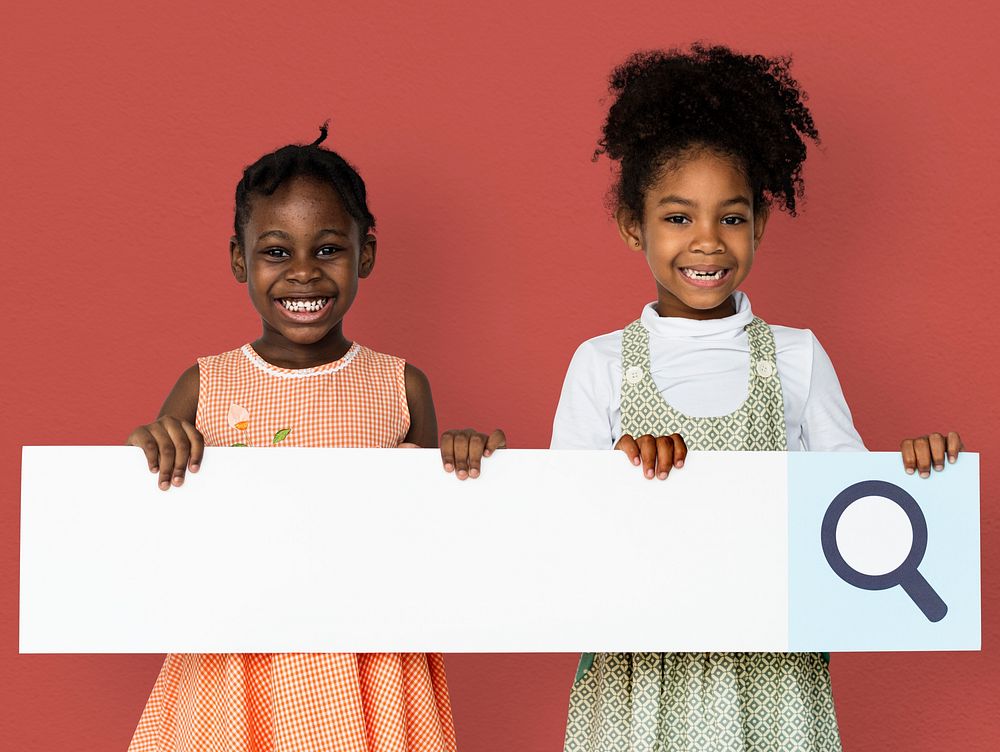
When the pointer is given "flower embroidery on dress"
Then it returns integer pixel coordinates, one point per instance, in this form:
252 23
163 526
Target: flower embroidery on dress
238 417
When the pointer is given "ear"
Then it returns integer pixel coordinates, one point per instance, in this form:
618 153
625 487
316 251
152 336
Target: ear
629 228
366 258
760 218
237 260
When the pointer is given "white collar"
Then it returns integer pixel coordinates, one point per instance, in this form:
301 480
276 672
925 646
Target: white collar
674 327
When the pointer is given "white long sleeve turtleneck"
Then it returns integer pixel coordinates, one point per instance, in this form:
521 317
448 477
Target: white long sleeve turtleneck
701 368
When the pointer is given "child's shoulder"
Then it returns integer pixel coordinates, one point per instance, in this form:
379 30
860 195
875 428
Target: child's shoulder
790 339
603 347
596 360
229 364
800 351
379 358
229 356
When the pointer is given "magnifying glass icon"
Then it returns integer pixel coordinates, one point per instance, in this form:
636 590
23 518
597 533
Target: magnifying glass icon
905 574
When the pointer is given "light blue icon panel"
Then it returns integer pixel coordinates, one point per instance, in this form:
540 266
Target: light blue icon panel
842 611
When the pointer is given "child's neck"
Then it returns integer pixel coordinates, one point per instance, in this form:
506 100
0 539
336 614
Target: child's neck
669 305
282 352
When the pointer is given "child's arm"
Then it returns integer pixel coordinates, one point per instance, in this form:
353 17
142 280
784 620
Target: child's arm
171 443
461 451
827 425
423 420
920 453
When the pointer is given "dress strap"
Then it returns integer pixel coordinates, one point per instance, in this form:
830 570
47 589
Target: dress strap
763 351
643 408
765 404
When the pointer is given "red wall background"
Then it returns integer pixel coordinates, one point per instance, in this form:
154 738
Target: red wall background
124 130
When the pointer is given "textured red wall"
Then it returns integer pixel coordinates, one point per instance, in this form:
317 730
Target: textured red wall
125 129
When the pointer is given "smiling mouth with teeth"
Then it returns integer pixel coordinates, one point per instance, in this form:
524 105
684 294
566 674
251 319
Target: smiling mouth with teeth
693 274
299 305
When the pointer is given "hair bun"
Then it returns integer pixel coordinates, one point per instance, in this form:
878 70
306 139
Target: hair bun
323 132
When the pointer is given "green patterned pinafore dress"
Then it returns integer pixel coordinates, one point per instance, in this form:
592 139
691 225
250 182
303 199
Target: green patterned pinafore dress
703 702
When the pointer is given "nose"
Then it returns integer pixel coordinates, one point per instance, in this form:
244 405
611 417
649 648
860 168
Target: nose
707 239
303 269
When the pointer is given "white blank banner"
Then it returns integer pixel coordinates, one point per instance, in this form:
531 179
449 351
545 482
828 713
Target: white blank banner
362 550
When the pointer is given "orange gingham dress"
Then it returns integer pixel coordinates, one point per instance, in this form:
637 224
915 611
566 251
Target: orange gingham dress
366 702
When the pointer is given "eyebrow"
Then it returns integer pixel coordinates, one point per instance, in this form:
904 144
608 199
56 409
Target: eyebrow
285 236
674 199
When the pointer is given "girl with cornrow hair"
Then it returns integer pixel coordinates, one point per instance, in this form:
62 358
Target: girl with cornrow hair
303 240
707 142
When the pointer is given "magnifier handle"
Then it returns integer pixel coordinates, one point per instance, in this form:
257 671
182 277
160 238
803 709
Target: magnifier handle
925 596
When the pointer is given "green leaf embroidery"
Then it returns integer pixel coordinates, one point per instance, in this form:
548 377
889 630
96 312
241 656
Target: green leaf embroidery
280 435
243 445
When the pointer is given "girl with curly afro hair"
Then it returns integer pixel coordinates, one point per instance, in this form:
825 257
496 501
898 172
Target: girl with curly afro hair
707 143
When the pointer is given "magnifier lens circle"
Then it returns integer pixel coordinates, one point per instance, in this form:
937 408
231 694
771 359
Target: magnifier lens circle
874 535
